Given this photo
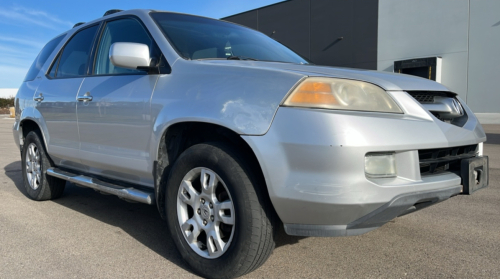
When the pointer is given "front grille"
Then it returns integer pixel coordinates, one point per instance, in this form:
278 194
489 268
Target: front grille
444 159
425 97
442 105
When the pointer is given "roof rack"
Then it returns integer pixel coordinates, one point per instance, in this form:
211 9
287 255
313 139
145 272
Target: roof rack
78 24
112 12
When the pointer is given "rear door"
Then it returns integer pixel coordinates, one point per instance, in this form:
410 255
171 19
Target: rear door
56 97
115 125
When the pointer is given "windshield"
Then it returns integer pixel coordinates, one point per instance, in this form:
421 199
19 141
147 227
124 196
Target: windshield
202 38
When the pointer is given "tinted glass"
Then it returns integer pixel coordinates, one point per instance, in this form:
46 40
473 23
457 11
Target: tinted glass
52 72
42 58
203 38
74 59
125 31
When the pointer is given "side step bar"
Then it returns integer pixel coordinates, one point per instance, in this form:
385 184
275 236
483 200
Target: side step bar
125 193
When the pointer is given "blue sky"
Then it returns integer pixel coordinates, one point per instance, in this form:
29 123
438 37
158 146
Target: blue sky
25 26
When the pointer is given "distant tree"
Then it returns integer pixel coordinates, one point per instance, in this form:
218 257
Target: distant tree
6 102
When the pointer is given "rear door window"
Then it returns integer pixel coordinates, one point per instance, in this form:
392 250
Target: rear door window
73 61
42 58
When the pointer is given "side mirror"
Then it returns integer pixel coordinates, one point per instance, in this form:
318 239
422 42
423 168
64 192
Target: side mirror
129 55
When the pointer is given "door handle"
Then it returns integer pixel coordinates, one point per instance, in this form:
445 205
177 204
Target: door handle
86 98
39 98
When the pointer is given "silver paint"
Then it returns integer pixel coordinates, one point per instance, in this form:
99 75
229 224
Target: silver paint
115 127
126 193
312 159
129 55
209 213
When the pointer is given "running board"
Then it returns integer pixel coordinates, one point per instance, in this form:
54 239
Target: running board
125 193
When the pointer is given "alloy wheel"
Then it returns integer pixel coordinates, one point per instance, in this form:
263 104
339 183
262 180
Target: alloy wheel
205 212
33 166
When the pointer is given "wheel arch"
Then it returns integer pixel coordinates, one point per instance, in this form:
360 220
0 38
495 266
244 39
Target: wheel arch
181 135
30 123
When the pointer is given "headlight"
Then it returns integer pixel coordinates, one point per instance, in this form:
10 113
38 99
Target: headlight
344 94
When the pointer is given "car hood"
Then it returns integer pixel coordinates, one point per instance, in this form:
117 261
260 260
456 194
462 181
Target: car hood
386 80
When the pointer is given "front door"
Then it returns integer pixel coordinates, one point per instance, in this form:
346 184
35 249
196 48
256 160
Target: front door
114 117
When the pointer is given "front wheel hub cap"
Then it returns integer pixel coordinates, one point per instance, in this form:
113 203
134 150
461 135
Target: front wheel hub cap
210 231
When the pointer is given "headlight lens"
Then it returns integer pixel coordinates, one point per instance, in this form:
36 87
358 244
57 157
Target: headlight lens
343 94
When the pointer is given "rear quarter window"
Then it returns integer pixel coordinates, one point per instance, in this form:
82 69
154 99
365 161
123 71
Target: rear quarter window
42 58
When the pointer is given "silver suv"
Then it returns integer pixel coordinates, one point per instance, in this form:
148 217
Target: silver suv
231 134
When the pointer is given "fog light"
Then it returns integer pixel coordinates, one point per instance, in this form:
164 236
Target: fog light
380 164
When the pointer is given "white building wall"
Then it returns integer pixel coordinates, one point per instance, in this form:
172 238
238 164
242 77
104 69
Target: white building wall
426 28
465 33
484 57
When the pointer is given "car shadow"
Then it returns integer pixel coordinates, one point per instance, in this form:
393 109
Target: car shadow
14 172
140 221
283 239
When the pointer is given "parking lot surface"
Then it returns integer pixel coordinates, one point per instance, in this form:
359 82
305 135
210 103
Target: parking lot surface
88 235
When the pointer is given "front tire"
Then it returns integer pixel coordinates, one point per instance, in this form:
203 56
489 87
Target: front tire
35 162
220 221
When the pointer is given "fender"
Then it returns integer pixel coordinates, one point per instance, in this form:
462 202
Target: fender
245 100
30 113
25 110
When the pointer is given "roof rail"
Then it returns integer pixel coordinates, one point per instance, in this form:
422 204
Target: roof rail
112 12
78 24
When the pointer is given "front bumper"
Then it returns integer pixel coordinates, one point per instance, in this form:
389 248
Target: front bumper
313 163
398 206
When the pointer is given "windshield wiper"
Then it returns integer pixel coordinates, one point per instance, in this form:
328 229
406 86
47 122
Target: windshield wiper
237 57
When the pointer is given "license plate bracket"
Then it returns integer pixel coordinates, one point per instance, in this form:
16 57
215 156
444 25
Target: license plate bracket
475 175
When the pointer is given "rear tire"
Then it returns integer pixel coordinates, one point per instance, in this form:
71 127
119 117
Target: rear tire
242 247
35 162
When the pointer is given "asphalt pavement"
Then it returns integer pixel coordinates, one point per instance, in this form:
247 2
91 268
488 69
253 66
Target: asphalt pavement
88 235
